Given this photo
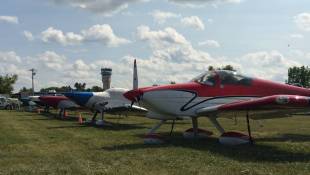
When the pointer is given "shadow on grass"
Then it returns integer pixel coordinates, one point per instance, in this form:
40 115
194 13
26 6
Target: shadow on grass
286 137
258 152
111 126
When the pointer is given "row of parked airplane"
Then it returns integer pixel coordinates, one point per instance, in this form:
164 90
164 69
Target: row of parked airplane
213 94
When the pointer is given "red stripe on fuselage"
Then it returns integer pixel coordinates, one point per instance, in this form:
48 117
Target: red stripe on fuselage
258 88
53 100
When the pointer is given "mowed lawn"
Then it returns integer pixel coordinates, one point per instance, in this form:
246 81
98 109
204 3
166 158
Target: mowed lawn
32 143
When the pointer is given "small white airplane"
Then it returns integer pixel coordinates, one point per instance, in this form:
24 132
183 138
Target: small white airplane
215 94
111 101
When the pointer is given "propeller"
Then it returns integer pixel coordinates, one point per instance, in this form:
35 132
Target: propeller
135 83
135 76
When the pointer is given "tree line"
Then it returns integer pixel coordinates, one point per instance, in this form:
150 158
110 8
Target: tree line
77 87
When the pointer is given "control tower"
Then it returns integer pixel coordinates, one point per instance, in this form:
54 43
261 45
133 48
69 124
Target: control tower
106 77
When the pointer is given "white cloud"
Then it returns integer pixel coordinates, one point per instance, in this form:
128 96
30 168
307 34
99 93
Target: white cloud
179 61
10 57
161 16
103 33
303 21
28 35
210 43
161 38
297 36
97 33
271 65
210 20
106 7
173 58
9 19
55 35
194 22
52 60
200 3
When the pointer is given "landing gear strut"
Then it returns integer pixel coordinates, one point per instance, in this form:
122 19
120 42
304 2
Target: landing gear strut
93 120
152 130
195 126
249 128
61 113
195 132
172 127
151 137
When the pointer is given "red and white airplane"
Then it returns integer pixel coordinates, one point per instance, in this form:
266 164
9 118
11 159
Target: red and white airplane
215 94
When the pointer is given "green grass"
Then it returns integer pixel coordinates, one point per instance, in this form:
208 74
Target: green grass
31 143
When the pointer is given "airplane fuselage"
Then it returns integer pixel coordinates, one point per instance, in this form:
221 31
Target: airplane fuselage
183 100
100 100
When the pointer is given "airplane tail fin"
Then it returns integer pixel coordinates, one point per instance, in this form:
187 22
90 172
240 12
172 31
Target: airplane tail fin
135 76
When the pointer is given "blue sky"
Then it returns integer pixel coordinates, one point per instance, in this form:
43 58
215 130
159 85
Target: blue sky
69 41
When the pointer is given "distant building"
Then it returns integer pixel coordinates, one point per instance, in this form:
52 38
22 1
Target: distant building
106 74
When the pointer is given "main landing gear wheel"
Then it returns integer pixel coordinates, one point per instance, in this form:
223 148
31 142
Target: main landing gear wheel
236 138
201 133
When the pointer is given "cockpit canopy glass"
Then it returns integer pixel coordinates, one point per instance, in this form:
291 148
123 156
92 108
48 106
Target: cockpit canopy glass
226 78
207 78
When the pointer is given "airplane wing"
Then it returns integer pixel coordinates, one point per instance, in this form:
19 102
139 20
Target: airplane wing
127 110
120 108
275 106
67 104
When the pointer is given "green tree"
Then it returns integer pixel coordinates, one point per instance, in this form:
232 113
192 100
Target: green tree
80 86
6 83
95 89
64 89
25 90
228 67
299 76
57 89
210 68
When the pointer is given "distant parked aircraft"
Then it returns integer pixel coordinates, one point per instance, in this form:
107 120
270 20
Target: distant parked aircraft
110 101
59 102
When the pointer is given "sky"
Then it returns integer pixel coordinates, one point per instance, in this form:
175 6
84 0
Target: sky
68 41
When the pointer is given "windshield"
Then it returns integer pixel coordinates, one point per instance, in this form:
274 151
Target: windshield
207 78
226 78
233 78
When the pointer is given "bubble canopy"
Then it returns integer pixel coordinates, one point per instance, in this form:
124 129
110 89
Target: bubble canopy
225 77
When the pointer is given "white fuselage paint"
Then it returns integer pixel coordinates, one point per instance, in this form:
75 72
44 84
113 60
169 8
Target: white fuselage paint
180 104
113 97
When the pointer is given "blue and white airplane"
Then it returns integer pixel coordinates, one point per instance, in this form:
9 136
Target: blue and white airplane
111 101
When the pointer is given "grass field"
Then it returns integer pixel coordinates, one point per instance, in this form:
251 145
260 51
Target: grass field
33 143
